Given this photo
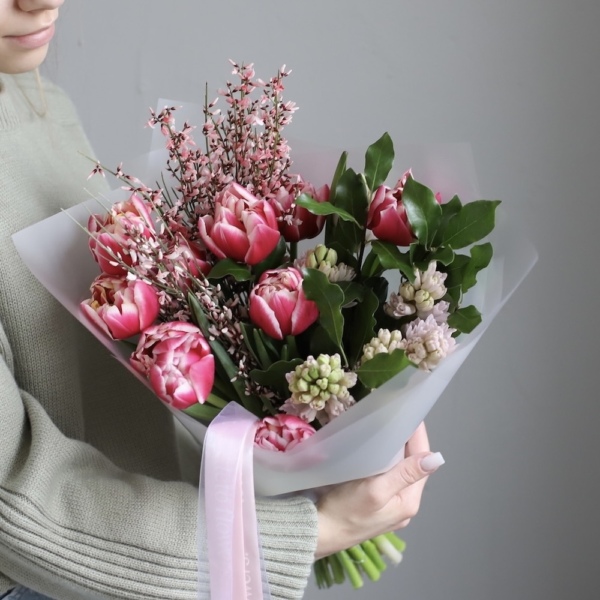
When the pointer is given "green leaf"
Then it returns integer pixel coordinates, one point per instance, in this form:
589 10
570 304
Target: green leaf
216 401
423 211
444 255
329 298
465 319
202 412
382 367
449 209
371 266
353 291
390 257
362 328
378 161
454 277
274 377
480 258
324 208
474 221
226 267
352 195
339 171
320 342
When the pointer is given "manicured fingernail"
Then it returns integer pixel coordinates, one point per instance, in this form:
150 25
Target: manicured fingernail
431 462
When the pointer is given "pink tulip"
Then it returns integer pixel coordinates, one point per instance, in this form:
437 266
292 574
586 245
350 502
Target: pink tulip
177 360
119 307
282 432
387 217
295 222
110 234
243 228
278 305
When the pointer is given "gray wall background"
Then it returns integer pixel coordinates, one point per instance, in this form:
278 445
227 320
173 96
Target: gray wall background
514 512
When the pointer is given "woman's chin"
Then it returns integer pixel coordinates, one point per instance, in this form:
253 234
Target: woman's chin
22 62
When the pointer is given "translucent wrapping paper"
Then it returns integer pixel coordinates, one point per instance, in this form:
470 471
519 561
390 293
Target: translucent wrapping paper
369 437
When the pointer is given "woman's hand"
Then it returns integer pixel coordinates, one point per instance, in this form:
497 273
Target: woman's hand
352 512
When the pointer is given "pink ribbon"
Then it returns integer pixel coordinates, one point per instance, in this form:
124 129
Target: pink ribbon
229 551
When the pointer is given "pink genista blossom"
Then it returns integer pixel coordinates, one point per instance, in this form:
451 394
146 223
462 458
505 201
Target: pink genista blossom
387 217
278 305
178 362
244 228
119 307
112 234
186 259
427 342
295 222
282 432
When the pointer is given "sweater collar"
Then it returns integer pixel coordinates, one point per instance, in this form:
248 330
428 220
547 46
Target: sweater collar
15 90
9 117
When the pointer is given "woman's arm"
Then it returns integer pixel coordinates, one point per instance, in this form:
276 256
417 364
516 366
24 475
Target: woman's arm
74 526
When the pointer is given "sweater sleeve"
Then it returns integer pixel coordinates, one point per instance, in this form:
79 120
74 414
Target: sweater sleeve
73 525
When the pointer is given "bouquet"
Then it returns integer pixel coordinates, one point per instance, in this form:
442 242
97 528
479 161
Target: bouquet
209 285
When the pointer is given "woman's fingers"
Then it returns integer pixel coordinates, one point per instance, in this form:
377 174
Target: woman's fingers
412 470
418 442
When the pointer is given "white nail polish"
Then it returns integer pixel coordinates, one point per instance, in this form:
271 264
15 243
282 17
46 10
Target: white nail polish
431 462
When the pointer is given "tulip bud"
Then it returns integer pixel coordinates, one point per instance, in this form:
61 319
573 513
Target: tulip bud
282 432
278 305
120 307
178 362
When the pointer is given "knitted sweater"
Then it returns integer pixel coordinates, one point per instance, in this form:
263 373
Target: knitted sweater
91 501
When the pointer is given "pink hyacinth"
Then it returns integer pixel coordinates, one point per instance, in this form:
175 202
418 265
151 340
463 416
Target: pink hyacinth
427 342
282 432
178 362
119 307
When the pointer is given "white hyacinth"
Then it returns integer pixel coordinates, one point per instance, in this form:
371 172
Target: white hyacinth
432 281
420 296
319 389
326 260
386 342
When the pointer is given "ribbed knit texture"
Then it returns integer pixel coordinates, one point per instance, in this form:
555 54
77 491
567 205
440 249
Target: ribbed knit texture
90 502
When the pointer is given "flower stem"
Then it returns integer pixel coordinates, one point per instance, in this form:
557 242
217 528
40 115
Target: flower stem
337 568
358 555
398 543
387 548
351 571
326 572
371 551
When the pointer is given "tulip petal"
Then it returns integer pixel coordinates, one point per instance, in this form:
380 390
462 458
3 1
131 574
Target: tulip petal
264 318
202 376
93 317
263 240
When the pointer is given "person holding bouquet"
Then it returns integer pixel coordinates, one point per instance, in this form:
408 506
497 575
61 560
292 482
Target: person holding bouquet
91 500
